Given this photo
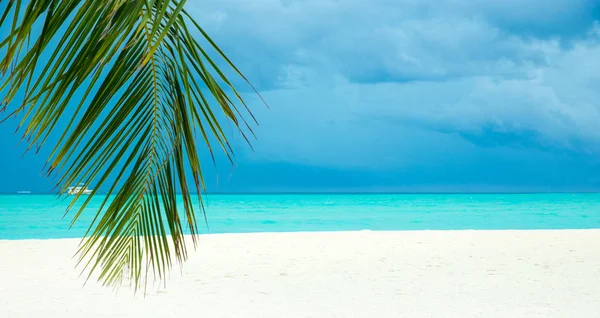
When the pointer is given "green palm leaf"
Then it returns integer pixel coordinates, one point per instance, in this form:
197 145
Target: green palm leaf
135 89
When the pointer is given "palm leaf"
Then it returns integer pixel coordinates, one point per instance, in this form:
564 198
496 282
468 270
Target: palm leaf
138 92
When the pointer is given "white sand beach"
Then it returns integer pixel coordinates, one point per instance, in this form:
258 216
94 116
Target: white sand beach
344 274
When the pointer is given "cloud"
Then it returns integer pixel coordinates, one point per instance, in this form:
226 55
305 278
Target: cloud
389 94
556 107
389 41
400 84
564 19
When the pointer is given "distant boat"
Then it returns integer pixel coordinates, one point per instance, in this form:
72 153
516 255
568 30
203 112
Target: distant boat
80 188
23 192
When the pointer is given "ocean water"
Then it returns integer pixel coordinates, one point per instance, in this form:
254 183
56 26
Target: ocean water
41 216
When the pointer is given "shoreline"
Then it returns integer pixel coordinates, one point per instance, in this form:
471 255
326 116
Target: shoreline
188 236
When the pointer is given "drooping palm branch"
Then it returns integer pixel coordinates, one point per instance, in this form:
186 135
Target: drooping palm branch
136 88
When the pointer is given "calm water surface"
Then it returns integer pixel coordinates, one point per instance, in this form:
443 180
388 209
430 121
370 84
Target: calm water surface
41 216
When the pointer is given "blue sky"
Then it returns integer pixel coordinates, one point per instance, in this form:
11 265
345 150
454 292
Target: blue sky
403 95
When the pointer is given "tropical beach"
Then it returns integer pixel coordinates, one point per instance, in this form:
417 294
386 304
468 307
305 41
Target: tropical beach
552 273
286 158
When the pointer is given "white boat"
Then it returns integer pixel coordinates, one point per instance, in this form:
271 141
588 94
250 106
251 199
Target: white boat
80 188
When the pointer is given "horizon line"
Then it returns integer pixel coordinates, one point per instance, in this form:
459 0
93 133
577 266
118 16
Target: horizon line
343 192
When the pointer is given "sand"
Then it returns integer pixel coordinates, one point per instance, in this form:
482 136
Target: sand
343 274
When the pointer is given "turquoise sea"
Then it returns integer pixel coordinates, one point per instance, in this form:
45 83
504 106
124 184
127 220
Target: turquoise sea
41 216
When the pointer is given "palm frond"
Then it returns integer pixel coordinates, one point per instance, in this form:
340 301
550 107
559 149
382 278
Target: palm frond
135 89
